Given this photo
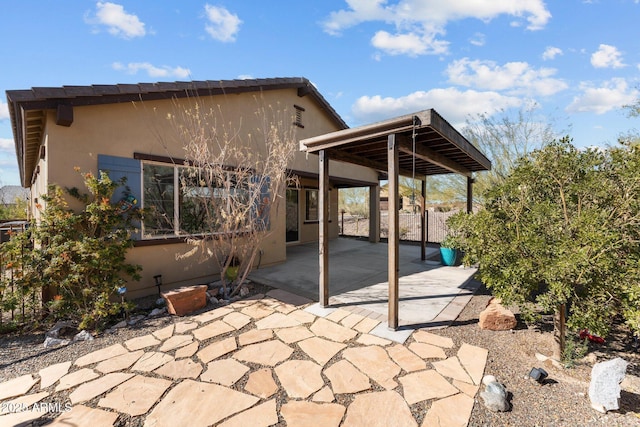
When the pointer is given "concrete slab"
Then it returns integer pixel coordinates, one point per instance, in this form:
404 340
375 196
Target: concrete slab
431 295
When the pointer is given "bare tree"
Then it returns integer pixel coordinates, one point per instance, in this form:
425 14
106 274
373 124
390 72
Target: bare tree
233 183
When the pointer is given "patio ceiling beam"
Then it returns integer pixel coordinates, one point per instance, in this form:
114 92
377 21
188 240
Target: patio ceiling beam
363 161
431 156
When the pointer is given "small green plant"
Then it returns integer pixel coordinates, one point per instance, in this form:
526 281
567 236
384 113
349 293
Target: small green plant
574 350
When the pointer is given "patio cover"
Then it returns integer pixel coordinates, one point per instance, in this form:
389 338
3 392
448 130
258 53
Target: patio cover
415 145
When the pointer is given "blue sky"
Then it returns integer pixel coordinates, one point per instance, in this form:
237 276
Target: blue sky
578 60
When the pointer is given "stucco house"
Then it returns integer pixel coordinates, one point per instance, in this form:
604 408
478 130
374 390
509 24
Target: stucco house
117 128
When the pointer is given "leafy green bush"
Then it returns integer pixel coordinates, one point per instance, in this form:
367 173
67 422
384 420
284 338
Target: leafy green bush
77 259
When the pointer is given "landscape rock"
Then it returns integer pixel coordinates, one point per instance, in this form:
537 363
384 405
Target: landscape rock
494 395
83 335
158 312
54 342
604 388
496 317
213 300
244 291
161 302
61 329
135 319
122 324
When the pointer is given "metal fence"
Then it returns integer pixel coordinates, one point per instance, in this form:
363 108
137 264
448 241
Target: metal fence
18 303
436 224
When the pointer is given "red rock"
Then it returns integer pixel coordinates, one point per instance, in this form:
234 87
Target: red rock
496 317
186 299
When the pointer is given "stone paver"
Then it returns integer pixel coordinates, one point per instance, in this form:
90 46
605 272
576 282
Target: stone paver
237 320
262 415
150 361
332 331
212 315
100 355
217 349
433 339
380 409
295 334
224 372
374 362
179 369
23 402
78 377
196 404
300 378
452 368
81 415
451 411
186 326
261 383
345 378
367 339
142 342
220 371
91 389
164 333
423 385
305 414
366 325
406 359
175 341
255 335
211 330
324 395
257 311
427 351
135 396
51 374
468 389
352 320
277 320
474 360
267 353
302 316
188 350
320 350
119 363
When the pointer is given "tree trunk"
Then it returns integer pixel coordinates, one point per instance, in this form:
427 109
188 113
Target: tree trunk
559 332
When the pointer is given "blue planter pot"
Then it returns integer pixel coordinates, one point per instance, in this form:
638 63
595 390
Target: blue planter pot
448 256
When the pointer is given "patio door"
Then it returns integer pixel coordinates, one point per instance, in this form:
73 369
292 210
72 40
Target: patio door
293 215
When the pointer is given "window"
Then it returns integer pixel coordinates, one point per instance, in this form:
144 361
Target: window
179 202
311 205
298 119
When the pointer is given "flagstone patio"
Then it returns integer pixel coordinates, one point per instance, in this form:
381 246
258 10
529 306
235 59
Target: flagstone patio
271 359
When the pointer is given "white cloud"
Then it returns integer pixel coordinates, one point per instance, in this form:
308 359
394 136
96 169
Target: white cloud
152 70
223 25
4 110
119 23
478 39
551 52
7 146
607 57
513 77
452 103
419 23
411 44
612 95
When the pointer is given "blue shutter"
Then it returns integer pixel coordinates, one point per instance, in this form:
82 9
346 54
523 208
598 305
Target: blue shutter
123 167
261 211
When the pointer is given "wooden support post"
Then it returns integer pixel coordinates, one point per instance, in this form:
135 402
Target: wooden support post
323 228
374 214
469 194
394 228
423 231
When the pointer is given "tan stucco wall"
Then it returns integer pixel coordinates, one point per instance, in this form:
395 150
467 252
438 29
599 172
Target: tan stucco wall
124 129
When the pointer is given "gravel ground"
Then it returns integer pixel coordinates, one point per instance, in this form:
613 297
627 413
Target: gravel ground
561 401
